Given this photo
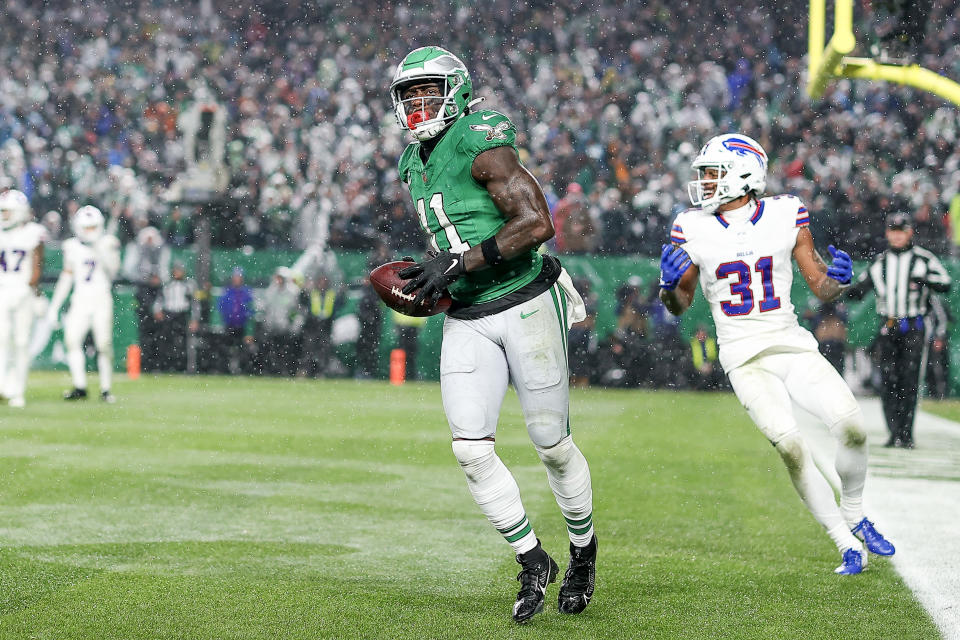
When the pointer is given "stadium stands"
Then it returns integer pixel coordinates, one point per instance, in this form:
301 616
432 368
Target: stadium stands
615 100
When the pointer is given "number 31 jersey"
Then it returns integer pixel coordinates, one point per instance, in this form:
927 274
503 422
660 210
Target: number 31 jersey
745 257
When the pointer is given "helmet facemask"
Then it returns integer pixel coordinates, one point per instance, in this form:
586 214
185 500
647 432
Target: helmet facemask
430 65
728 167
414 113
721 185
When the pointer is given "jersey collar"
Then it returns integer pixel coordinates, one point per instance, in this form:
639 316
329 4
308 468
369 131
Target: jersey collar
732 215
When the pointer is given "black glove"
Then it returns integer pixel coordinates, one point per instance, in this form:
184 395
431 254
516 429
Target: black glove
432 276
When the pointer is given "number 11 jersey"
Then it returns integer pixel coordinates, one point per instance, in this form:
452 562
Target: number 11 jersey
745 257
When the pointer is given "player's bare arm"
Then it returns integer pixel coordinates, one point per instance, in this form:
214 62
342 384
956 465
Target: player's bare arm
814 269
679 300
517 195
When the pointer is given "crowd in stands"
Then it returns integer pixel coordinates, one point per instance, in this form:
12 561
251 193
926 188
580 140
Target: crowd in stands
611 105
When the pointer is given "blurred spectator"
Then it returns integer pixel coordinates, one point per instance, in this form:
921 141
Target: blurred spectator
668 347
53 223
149 256
320 303
236 310
954 217
178 229
625 357
370 315
148 328
570 204
609 100
278 333
407 329
707 374
582 339
829 326
937 376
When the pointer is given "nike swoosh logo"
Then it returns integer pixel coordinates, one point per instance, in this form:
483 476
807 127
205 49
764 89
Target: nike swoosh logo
487 117
453 265
524 316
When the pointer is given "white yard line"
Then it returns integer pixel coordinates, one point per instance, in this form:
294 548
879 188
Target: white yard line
914 499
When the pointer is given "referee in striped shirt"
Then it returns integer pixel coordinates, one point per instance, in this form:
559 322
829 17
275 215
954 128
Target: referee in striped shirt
903 278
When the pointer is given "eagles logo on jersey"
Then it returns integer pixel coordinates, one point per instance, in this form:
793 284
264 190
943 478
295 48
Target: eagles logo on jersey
493 132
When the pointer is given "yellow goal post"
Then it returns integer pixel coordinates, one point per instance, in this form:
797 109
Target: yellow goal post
832 60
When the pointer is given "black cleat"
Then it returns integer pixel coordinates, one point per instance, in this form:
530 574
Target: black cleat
577 587
75 394
107 397
538 571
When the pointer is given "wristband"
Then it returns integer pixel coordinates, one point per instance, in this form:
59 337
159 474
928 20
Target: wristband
491 252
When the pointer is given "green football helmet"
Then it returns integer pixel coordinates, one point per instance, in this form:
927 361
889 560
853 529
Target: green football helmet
428 64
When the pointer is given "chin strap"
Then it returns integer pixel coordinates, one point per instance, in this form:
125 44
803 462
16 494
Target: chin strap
474 102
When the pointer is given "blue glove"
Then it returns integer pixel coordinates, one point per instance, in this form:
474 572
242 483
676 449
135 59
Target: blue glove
841 269
674 262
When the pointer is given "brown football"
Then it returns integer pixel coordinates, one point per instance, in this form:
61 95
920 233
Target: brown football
389 287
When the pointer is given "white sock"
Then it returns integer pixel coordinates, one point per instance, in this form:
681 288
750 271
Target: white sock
496 492
569 477
841 537
78 368
17 375
105 368
851 466
815 491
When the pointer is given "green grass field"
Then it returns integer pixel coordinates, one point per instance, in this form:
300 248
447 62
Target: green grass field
949 409
253 508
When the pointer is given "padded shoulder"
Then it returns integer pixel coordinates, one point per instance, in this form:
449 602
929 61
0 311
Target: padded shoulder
484 130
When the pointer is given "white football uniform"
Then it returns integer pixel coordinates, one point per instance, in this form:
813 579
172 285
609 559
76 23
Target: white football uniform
17 247
93 267
745 259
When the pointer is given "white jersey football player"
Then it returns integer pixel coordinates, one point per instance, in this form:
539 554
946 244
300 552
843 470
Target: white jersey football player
90 262
741 248
21 265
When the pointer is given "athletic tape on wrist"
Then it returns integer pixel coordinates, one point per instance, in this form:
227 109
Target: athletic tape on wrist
491 252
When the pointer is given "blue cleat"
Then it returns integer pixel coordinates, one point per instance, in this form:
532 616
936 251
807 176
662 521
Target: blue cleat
874 540
854 562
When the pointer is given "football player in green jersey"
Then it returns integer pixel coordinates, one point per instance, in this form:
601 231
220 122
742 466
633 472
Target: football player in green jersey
486 216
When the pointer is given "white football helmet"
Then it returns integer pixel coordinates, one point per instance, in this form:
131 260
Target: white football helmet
741 166
428 64
87 224
14 209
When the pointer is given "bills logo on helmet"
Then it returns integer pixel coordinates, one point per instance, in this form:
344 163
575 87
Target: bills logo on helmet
744 148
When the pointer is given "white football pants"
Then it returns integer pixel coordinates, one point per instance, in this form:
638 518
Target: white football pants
525 345
765 386
16 321
80 320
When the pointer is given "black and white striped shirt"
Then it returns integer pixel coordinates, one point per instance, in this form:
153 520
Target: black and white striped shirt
176 296
903 281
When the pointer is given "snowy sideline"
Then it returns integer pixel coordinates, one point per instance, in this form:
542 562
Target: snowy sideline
914 497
